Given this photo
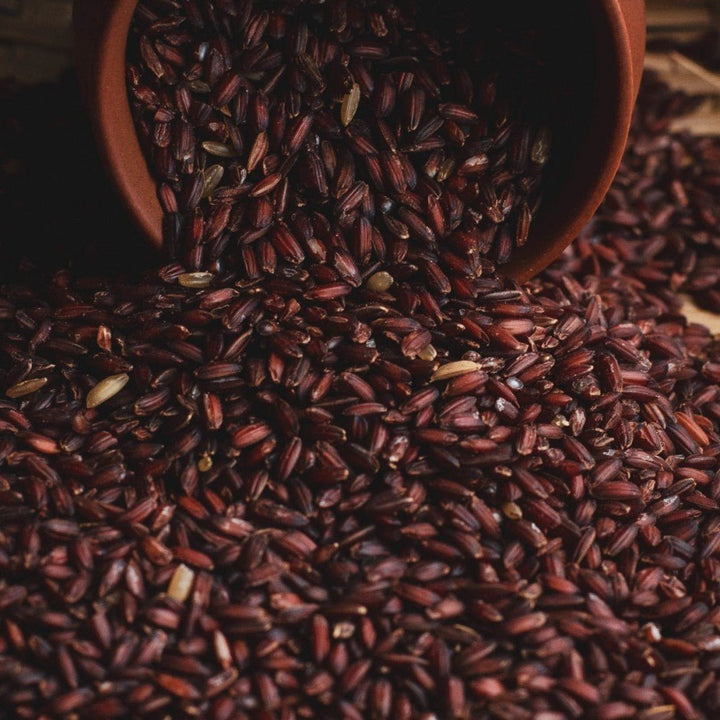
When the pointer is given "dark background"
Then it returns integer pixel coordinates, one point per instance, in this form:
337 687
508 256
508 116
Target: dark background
57 206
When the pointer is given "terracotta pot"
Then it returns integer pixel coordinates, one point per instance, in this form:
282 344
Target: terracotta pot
602 61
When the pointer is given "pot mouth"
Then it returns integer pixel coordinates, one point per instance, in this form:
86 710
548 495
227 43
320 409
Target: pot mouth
593 60
599 72
114 125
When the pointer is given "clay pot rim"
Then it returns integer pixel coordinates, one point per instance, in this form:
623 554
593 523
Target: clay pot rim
117 139
113 122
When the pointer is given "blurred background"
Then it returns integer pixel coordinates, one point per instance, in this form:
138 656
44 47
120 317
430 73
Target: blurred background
35 38
682 20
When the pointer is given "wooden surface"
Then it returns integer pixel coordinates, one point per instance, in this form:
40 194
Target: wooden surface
681 20
694 314
35 39
676 15
682 73
44 23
